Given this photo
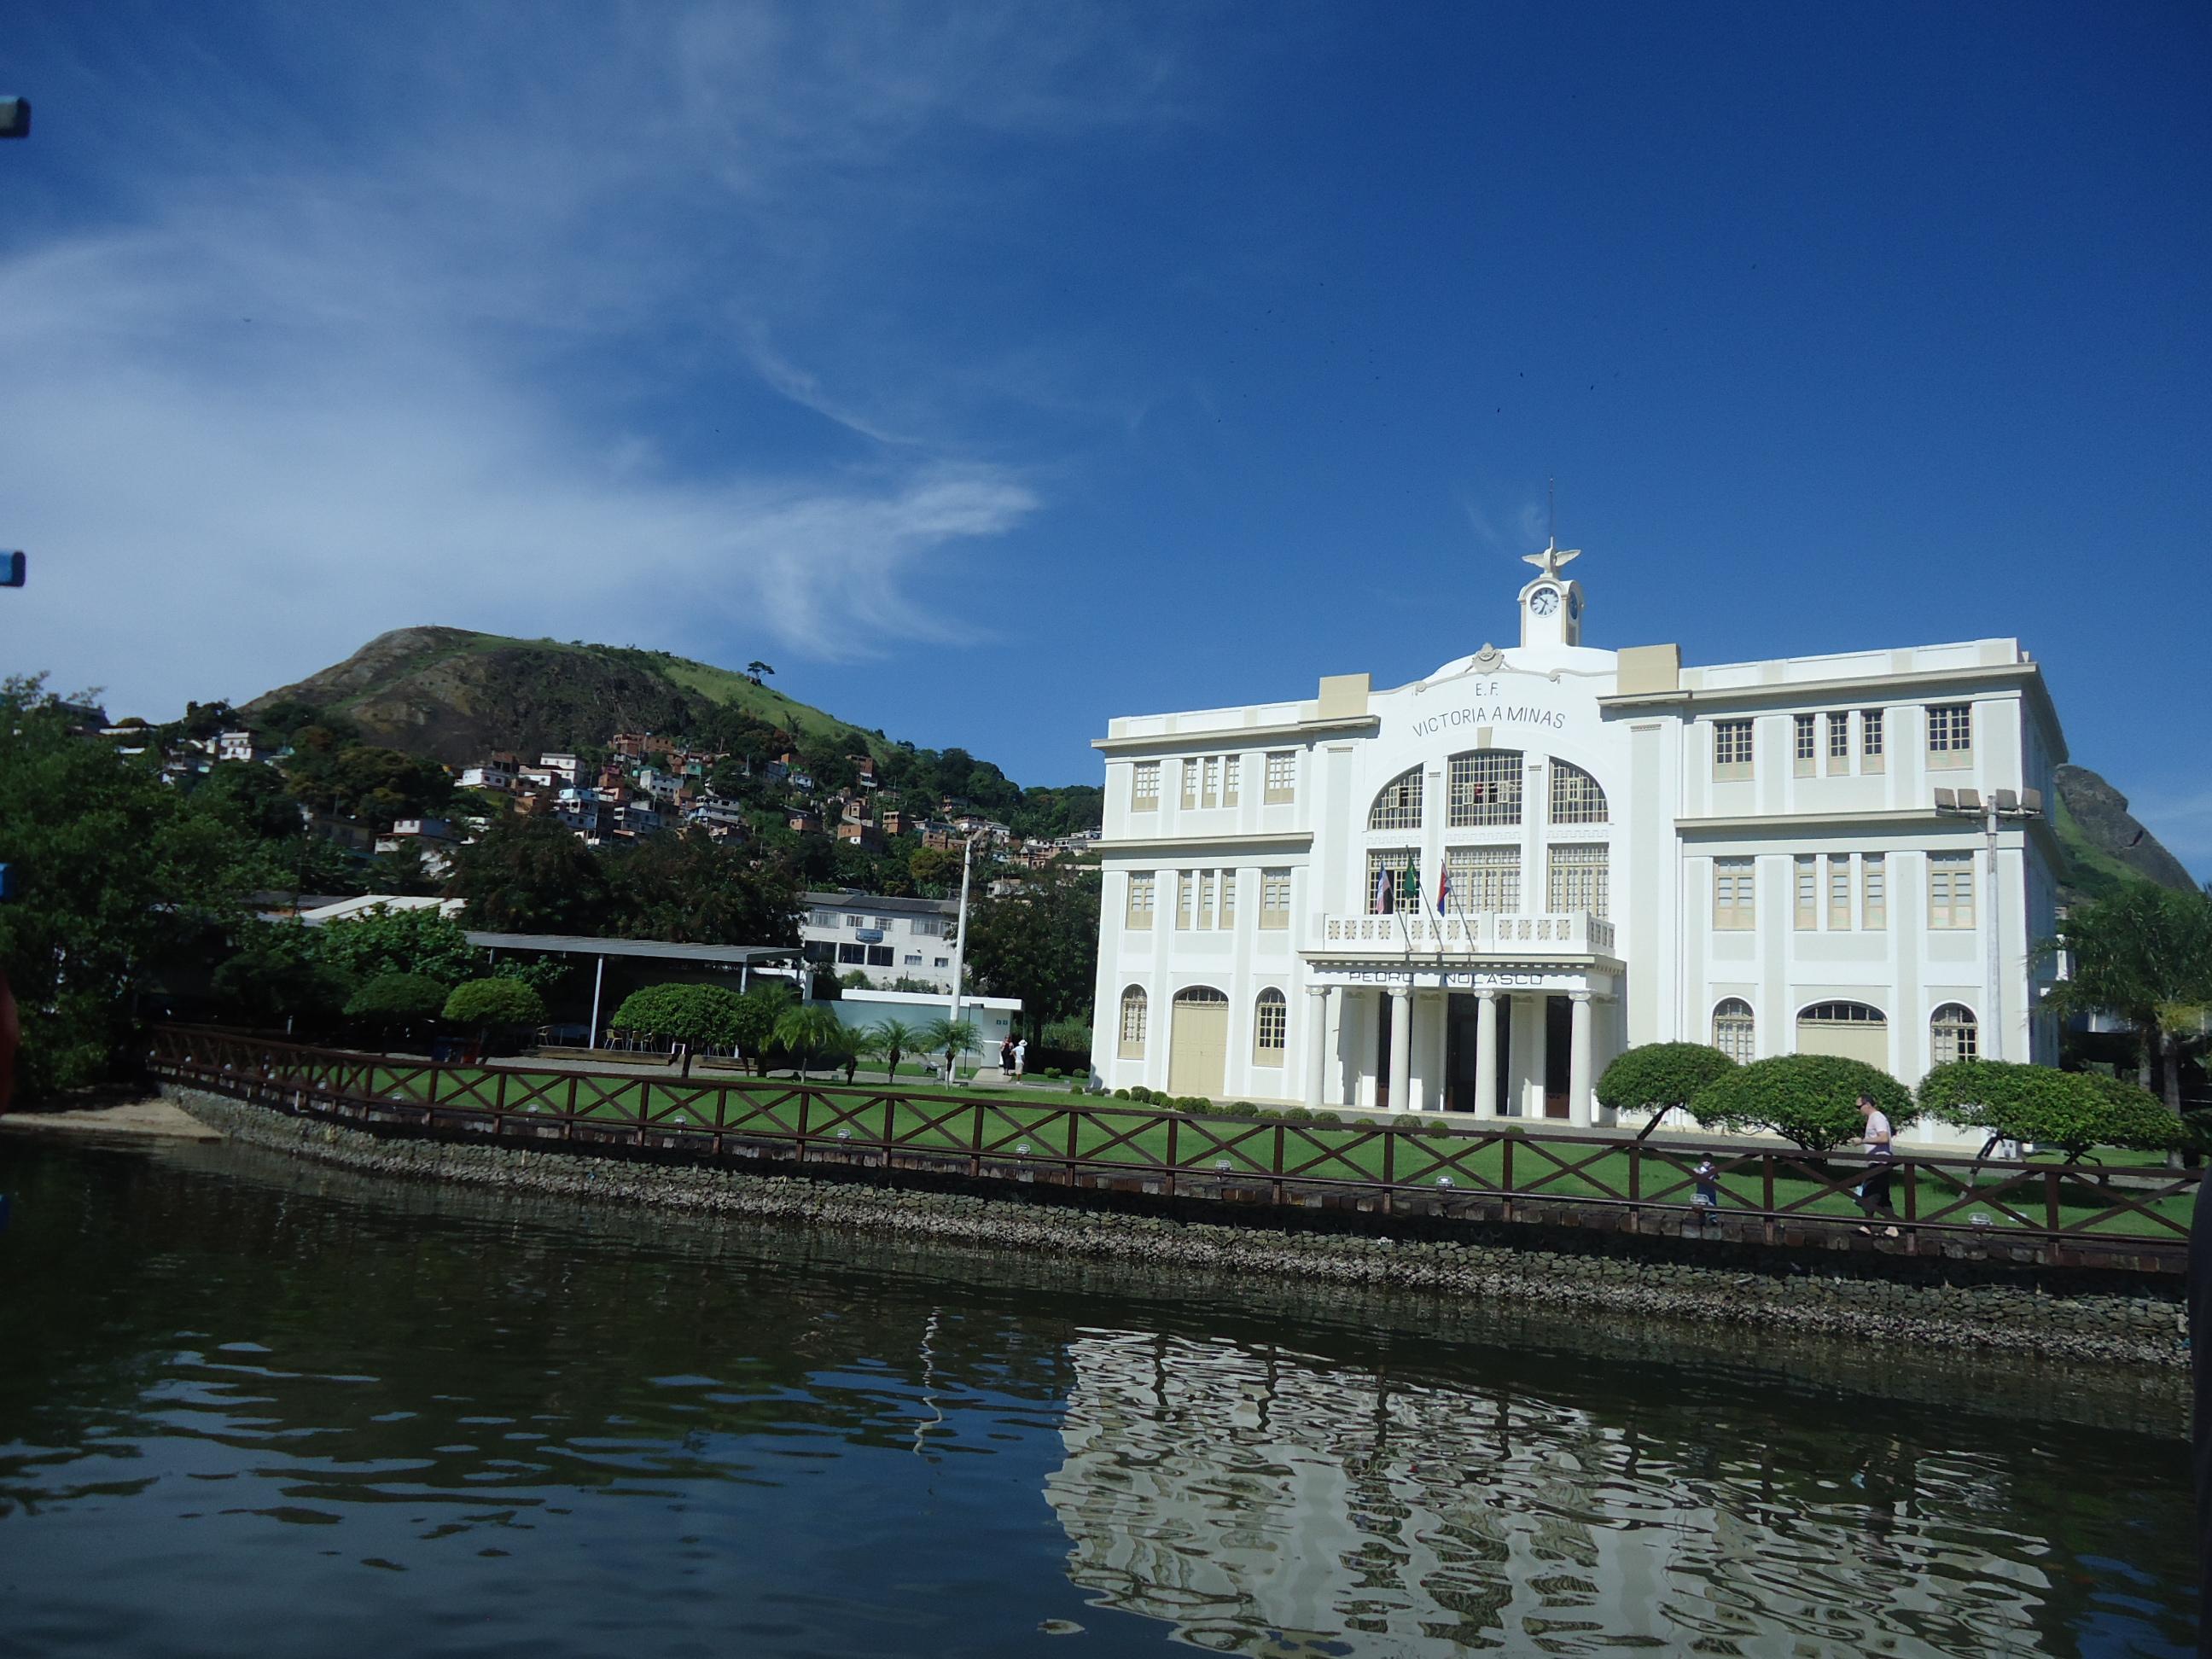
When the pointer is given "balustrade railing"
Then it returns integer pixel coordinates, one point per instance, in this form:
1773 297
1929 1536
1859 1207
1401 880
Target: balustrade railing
2121 1217
1566 932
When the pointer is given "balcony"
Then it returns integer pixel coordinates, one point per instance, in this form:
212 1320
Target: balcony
1457 938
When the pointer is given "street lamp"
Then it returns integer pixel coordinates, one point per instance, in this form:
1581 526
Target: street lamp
960 938
2003 804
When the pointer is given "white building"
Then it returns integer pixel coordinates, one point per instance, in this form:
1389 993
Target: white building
1634 851
886 938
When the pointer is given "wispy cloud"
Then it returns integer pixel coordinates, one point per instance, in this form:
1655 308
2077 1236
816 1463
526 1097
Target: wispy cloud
493 331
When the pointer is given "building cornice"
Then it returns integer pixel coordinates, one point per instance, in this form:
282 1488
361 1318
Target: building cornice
2026 675
1226 737
1284 839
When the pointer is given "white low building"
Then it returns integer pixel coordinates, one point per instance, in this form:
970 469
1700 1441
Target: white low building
1469 892
887 938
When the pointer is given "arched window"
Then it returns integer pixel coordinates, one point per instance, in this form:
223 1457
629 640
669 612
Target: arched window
1398 805
1951 1029
1483 790
1734 1033
1132 1023
1271 1028
1576 797
1851 1029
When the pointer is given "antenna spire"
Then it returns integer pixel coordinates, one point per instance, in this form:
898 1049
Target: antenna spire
1552 510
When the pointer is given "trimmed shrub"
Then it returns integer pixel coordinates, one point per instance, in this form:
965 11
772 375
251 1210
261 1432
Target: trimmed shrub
2071 1110
1436 1126
1121 1094
484 1003
1406 1120
1658 1076
1296 1114
1240 1108
1812 1099
1326 1117
396 999
1192 1103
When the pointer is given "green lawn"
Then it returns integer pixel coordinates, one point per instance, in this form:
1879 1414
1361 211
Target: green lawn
1045 1124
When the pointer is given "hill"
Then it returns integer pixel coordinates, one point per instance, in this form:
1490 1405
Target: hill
2105 844
454 696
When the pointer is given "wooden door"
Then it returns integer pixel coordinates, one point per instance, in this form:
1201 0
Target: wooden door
1198 1043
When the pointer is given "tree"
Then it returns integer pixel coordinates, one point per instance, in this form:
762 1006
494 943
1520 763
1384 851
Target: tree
758 1012
2142 954
696 1016
396 1001
487 1004
933 866
756 670
806 1030
2071 1110
529 874
116 879
279 975
891 1040
1658 1077
1812 1099
693 889
1041 945
953 1037
417 941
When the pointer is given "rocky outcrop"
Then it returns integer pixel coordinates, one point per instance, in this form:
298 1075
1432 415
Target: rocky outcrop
2104 843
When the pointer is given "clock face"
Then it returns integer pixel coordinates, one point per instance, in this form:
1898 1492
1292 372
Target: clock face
1544 601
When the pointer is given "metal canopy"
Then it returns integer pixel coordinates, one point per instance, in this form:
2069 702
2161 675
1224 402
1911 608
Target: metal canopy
579 945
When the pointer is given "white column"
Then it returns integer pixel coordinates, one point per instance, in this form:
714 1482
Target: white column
599 979
1316 1042
1402 1048
1578 1062
1485 1054
1535 1013
1440 1088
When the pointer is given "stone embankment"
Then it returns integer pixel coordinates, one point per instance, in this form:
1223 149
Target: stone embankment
2100 1329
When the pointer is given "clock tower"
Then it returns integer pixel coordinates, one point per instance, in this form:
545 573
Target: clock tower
1552 606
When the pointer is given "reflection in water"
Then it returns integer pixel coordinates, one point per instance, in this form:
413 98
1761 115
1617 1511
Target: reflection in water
1267 1504
244 1401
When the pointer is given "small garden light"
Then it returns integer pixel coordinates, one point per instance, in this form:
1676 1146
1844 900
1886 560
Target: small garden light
1223 1165
1444 1181
1024 1149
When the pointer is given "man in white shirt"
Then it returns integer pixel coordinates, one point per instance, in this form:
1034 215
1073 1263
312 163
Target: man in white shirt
1874 1191
1021 1058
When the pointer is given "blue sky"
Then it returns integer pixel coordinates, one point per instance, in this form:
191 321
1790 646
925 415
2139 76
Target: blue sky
993 370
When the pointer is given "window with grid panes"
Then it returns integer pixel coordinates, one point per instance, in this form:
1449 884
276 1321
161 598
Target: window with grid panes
1578 879
1484 790
1732 894
1229 898
1232 771
1271 1028
1205 898
1576 797
1189 785
1142 896
1185 893
1132 1023
1274 899
1839 891
1485 881
1870 739
1950 735
1282 784
1736 1034
1950 889
1387 890
1801 741
1731 748
1805 878
1210 791
1839 741
1873 892
1145 787
1398 805
1952 1034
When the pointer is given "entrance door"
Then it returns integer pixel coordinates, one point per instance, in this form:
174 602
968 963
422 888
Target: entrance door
1197 1042
1463 1058
1386 1006
1558 1054
1850 1030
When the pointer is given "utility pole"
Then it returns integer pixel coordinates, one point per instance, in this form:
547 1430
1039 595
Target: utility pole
15 123
2005 805
960 938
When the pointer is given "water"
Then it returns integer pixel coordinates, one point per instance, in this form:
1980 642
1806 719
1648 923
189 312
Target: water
247 1405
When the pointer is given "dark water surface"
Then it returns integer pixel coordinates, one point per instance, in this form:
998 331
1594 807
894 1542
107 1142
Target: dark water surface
248 1406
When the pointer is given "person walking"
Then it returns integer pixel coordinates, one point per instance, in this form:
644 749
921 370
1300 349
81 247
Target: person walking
1874 1191
1021 1058
1708 1196
1006 1058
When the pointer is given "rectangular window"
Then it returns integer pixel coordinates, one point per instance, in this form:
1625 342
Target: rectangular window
1839 742
913 959
1229 898
1142 896
1950 735
825 918
1731 748
1282 777
851 952
1186 891
1145 787
1732 907
1806 876
885 924
1485 881
1270 1030
1578 880
1576 797
1232 772
1189 785
856 921
1274 899
1211 793
1873 892
1839 892
1388 891
879 956
930 926
1205 898
942 962
1801 749
1870 743
1484 790
1950 889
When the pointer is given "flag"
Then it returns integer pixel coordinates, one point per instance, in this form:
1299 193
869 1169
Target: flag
1410 883
1383 892
1443 886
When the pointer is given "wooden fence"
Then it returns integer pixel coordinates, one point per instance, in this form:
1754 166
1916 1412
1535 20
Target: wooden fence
2122 1217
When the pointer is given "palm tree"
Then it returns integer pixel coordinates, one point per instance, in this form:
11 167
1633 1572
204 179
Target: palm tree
807 1030
955 1037
888 1040
2142 954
